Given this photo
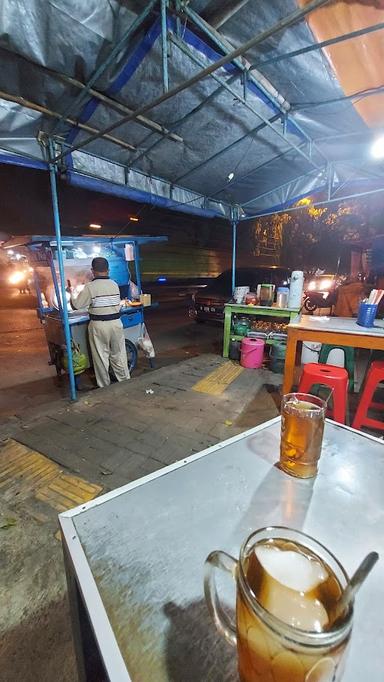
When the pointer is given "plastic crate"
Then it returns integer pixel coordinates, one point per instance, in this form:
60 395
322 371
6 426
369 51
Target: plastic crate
132 319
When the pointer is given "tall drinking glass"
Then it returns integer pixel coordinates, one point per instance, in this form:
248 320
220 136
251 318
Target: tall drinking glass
302 427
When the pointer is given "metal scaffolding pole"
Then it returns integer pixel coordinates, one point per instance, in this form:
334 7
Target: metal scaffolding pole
234 247
55 114
73 107
288 21
164 44
318 46
227 12
56 220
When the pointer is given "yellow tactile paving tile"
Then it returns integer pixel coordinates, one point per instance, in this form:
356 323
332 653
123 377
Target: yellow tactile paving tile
26 473
65 492
217 381
23 470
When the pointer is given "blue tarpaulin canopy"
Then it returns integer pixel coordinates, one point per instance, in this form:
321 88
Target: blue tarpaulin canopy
125 92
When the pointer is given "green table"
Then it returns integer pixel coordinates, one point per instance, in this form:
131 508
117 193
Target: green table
258 310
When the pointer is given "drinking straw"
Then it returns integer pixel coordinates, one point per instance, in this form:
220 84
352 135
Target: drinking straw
327 399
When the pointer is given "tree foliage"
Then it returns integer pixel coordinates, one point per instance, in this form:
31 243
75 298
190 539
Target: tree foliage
316 237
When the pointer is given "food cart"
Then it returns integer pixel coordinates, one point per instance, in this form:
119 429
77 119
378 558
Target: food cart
122 253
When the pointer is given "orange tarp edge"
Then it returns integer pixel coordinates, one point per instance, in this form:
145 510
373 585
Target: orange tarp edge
357 63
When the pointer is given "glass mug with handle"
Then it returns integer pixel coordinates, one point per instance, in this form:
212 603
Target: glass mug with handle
287 585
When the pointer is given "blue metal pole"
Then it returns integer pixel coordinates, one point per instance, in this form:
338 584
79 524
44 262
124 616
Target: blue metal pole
234 240
164 44
56 220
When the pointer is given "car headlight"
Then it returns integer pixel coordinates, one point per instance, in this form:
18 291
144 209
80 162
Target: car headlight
16 277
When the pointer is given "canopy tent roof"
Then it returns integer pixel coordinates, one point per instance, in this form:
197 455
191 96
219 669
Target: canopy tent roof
254 134
39 239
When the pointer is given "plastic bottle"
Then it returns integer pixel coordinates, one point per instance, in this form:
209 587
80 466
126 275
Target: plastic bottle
296 289
282 297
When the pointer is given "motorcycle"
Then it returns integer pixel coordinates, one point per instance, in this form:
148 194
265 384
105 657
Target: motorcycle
318 299
321 292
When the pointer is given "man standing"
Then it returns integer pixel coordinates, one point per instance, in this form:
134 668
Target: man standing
101 297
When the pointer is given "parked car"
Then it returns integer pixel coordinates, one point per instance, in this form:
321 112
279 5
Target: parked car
209 301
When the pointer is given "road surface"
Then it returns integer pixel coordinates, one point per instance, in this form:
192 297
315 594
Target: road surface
26 379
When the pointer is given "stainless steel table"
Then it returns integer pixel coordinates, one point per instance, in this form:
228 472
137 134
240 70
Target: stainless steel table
135 556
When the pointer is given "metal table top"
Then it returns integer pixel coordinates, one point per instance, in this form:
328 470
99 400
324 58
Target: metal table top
345 325
138 552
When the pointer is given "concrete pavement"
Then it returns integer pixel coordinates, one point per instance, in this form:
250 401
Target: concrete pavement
115 435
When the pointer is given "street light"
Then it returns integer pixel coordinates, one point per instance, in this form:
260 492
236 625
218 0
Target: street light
377 148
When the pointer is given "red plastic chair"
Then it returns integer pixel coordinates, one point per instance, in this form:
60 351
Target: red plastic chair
333 377
374 376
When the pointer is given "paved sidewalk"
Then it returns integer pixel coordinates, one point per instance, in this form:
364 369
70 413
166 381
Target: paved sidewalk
115 435
106 439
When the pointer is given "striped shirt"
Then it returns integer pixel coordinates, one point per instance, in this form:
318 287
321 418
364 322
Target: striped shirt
101 298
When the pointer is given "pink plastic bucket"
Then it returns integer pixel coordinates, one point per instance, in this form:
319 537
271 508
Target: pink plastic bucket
252 353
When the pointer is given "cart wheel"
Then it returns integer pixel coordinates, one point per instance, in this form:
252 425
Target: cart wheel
309 306
131 354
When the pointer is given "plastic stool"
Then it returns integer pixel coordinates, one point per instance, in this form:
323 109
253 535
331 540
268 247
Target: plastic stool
333 377
374 376
349 360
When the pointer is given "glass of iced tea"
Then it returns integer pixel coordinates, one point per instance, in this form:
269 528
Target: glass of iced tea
302 427
287 585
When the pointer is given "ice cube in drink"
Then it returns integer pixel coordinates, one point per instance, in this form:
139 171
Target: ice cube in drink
302 426
298 589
